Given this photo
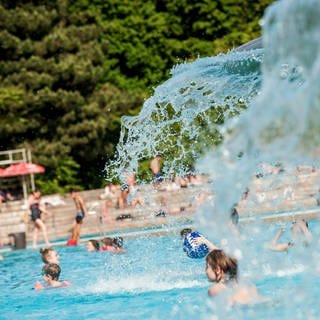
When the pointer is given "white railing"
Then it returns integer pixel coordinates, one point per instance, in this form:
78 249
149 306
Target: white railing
14 156
9 157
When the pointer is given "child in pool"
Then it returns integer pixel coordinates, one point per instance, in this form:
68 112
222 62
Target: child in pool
113 245
49 255
117 242
223 271
93 245
107 244
51 273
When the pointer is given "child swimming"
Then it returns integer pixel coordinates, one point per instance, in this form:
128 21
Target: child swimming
49 255
93 245
51 273
117 242
113 245
223 271
107 244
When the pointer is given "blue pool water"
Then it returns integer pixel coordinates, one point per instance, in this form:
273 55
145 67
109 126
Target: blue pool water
154 279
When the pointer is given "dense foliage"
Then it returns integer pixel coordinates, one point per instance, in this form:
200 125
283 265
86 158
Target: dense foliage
70 69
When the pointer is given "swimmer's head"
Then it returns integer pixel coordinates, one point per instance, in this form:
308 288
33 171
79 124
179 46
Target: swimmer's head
118 242
218 260
49 255
107 242
93 245
74 192
37 193
300 231
51 269
298 226
185 231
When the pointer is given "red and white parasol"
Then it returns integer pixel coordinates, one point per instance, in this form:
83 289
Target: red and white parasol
20 169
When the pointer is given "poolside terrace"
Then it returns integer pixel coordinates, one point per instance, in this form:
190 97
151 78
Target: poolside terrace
283 196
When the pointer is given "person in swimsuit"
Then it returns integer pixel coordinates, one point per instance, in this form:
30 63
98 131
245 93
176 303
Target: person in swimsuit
222 269
81 212
38 212
107 244
112 244
48 256
300 234
51 273
3 198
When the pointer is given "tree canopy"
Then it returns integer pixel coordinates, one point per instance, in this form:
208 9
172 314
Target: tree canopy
70 69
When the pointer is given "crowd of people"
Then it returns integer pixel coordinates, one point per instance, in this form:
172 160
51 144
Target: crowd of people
114 245
51 269
119 196
116 196
221 268
129 194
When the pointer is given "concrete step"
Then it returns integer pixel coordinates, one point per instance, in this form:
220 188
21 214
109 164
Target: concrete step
265 196
254 208
92 225
59 223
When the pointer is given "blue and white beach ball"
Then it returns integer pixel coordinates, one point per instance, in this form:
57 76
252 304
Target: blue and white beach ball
192 249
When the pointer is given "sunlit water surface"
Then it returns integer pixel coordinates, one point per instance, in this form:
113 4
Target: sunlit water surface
154 279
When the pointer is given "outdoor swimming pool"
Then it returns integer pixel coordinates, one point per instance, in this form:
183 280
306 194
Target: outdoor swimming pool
154 279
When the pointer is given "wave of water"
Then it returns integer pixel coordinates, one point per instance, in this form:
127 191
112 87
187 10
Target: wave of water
282 122
188 108
265 103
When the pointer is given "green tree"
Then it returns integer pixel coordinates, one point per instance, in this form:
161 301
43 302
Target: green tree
69 70
51 95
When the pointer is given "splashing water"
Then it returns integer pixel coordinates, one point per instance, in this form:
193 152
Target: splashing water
281 123
200 96
279 84
264 103
197 99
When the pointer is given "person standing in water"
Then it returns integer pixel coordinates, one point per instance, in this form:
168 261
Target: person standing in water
38 213
81 212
